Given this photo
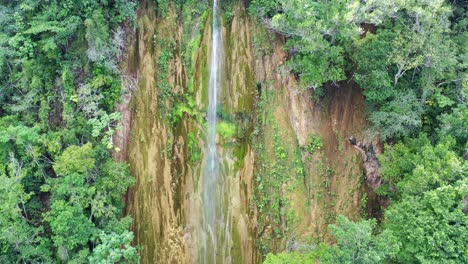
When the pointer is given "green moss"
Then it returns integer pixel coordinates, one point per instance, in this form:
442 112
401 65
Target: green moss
203 60
239 153
165 45
185 106
191 43
236 252
226 130
193 147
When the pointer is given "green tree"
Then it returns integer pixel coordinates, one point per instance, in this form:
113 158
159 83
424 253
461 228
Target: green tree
428 184
73 168
372 73
407 58
455 124
401 116
317 34
416 166
110 185
18 240
431 227
291 258
56 104
70 227
355 243
115 248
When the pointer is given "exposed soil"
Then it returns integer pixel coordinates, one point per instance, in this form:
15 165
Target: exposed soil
165 202
334 173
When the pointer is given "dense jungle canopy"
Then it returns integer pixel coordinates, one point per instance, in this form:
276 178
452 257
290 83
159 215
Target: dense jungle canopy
64 194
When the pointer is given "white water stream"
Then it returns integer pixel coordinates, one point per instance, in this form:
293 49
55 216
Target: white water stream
215 233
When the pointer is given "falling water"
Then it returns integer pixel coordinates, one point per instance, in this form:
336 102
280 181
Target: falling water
213 219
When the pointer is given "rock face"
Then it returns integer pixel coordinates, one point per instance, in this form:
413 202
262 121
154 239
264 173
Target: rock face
279 191
323 181
153 202
167 157
370 162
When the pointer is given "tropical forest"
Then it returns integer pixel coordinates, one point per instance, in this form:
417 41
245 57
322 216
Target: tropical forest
234 131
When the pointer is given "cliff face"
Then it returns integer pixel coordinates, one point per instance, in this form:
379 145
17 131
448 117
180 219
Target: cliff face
280 188
167 155
158 220
306 140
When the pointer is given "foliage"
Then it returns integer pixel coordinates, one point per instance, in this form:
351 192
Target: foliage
278 170
264 8
415 166
162 6
371 73
185 107
70 227
400 117
428 185
315 32
431 227
17 238
194 16
115 248
59 84
408 56
314 143
225 129
193 147
355 243
103 127
291 258
164 43
455 125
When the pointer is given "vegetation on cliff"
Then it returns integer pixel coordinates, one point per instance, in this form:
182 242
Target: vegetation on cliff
409 57
60 81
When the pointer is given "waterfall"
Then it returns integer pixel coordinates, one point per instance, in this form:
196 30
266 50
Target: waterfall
214 226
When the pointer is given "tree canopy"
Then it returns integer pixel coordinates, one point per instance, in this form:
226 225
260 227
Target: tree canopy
409 58
59 83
